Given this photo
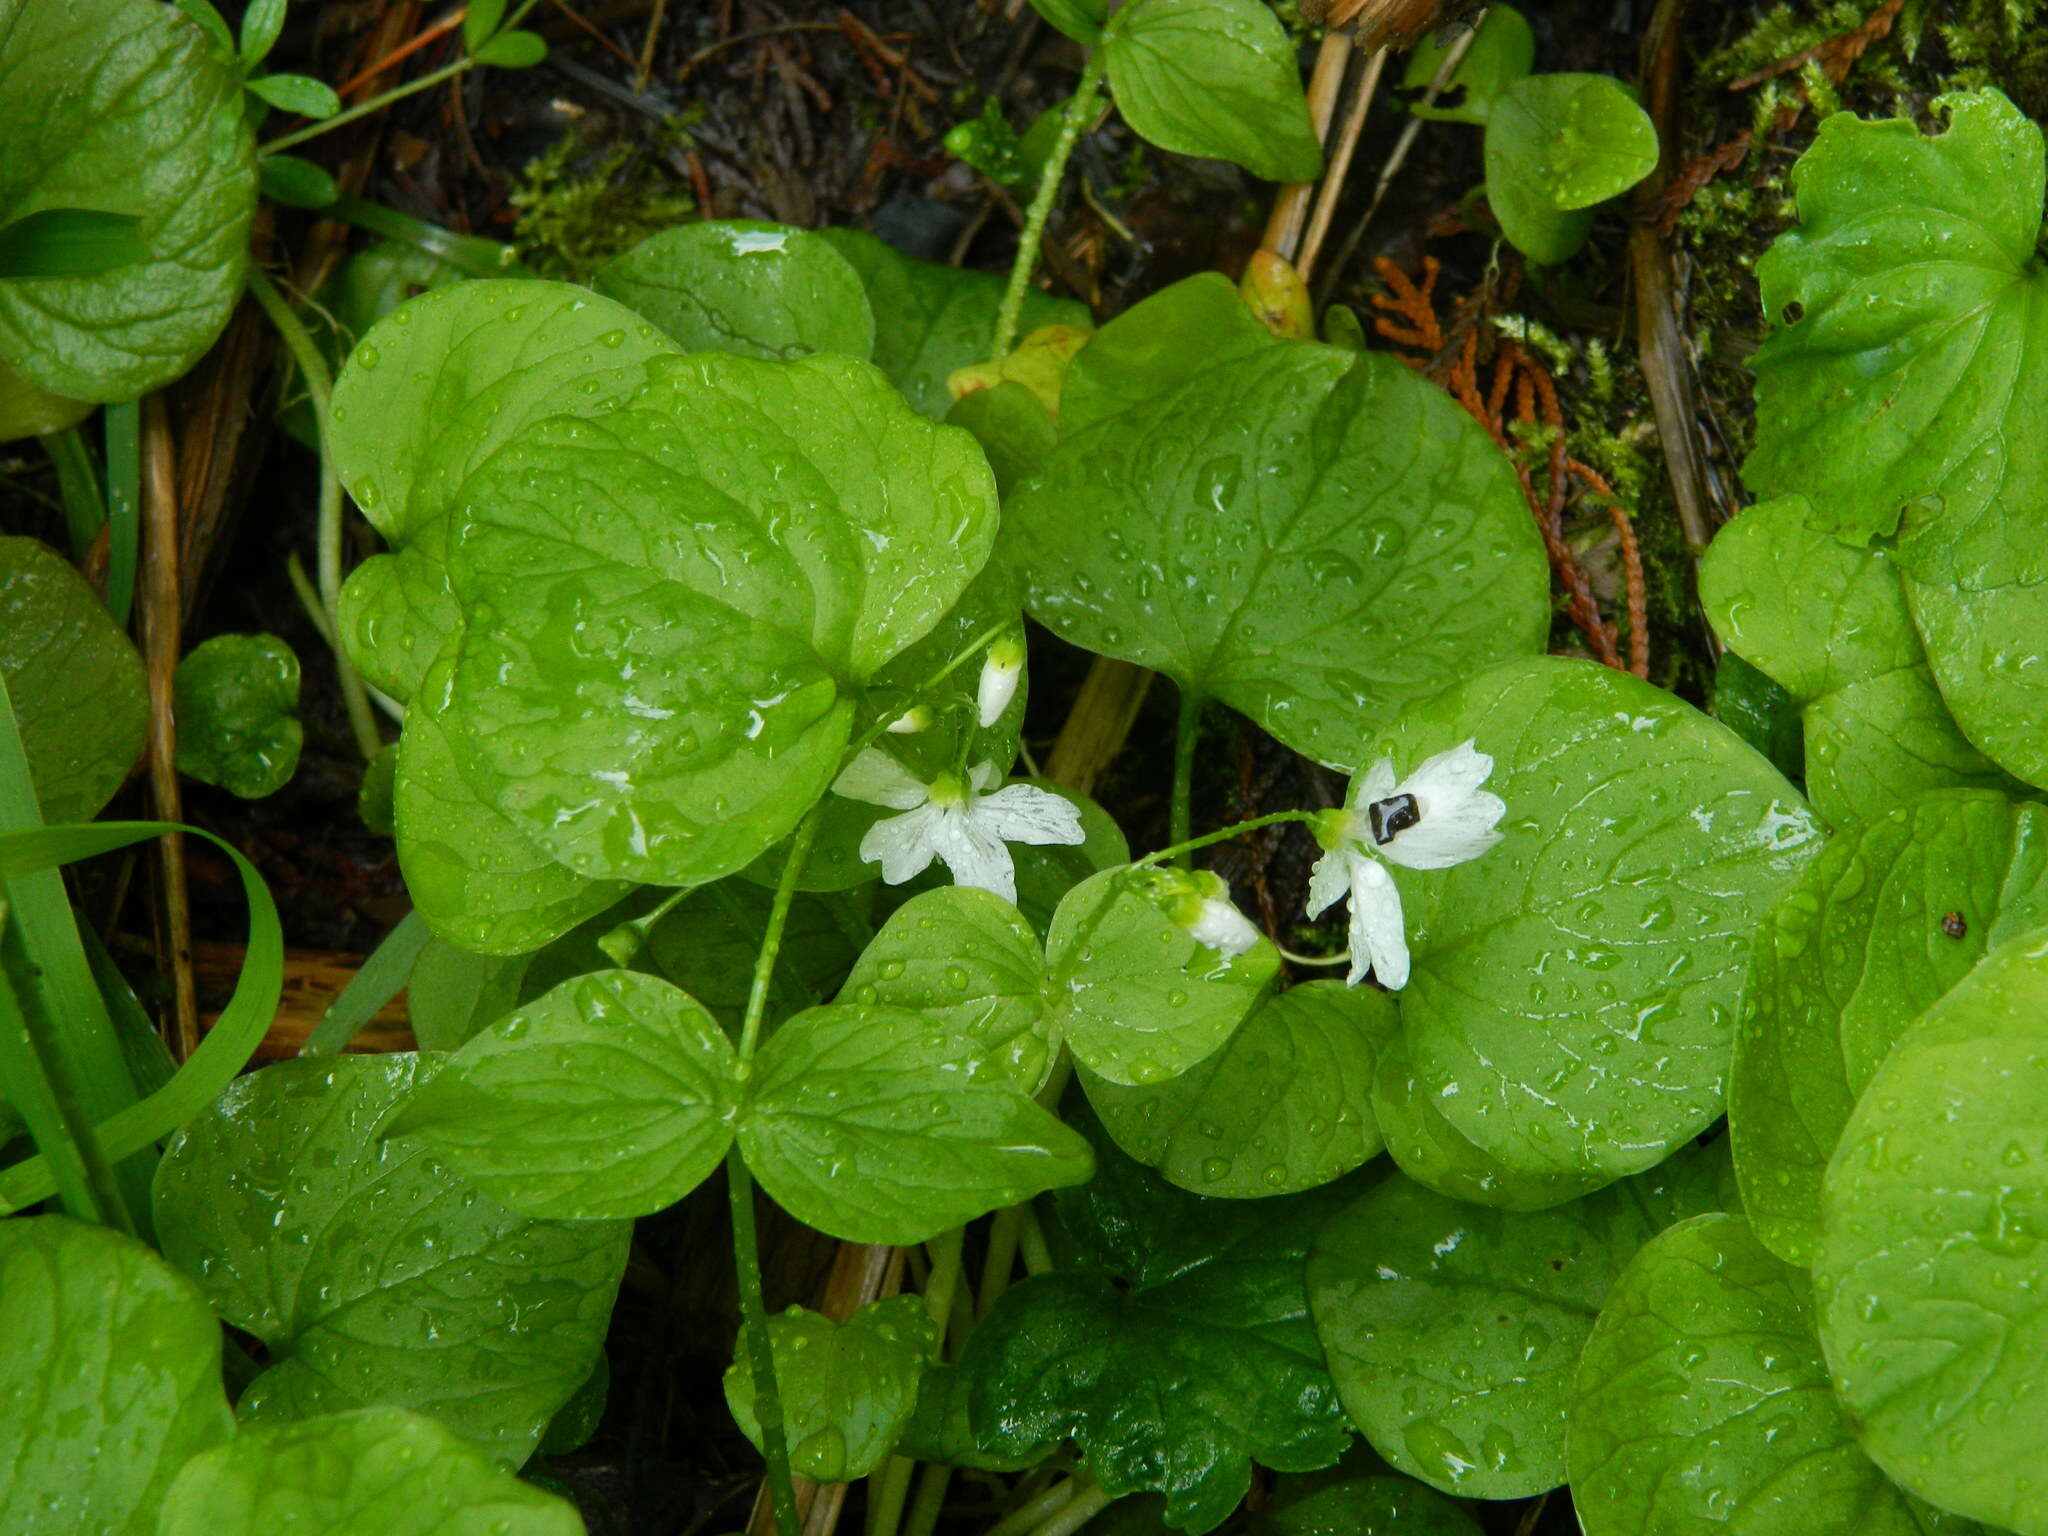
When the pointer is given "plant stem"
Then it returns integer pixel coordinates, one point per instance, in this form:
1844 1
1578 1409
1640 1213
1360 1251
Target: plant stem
1032 1245
1181 812
739 1183
1003 1233
754 1339
396 93
1028 1516
1076 113
1177 850
930 1501
1085 1506
320 389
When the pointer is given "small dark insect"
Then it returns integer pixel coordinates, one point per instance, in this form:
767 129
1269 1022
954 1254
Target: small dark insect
1392 816
1953 925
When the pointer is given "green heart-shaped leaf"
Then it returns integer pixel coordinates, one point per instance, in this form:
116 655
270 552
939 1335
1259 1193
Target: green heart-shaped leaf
1829 622
111 1376
87 85
1216 78
968 961
1181 1353
1137 997
1702 1404
1557 146
1934 1227
1899 392
372 1472
1453 1332
1317 539
238 714
740 285
58 644
1285 1105
1572 1006
1887 919
847 1389
613 1095
372 1272
875 1125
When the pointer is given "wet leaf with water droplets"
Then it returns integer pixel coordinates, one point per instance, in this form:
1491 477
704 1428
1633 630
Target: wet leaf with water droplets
1366 1506
371 1472
1314 537
1216 78
1572 1005
967 960
1557 146
374 1273
1901 390
612 1095
1829 623
1702 1406
1285 1105
1137 998
876 1125
931 318
744 286
86 87
1178 1351
1453 1330
110 1379
238 714
1934 1238
58 644
1852 955
847 1389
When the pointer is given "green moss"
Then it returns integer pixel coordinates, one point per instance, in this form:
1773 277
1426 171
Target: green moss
582 204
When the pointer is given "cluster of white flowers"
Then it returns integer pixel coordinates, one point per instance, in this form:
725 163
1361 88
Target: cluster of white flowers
1440 815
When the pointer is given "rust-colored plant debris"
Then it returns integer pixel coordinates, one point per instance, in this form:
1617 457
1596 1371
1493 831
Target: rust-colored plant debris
1519 393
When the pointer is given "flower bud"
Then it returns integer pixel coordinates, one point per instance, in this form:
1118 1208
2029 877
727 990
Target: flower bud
913 720
1199 903
1001 667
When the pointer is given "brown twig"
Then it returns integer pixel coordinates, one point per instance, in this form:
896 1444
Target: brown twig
1340 163
161 620
646 65
403 52
1289 215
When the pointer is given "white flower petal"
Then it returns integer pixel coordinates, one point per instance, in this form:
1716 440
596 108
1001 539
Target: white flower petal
1000 671
973 852
1376 936
1376 783
1024 813
1450 832
1223 928
903 845
1329 881
878 779
981 775
1447 775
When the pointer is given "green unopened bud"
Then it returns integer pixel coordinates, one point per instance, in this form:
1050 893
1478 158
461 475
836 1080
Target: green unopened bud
1277 295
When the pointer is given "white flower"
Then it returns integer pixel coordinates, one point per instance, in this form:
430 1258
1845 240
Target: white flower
913 720
954 822
1436 817
1001 667
1211 918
